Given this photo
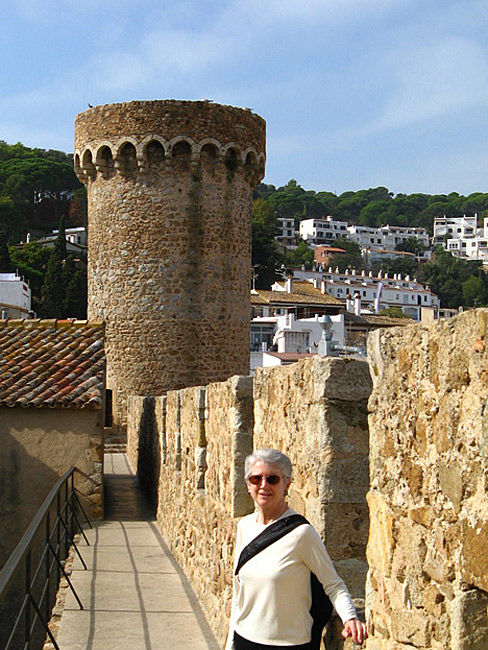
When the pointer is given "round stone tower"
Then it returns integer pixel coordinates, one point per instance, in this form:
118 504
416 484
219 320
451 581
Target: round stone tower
169 188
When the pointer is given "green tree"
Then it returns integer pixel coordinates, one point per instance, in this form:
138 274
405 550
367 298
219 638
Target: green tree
411 245
55 281
303 255
405 265
377 213
5 262
474 292
446 275
351 259
75 297
265 256
393 312
53 289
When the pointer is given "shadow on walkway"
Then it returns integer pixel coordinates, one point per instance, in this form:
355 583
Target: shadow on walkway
134 595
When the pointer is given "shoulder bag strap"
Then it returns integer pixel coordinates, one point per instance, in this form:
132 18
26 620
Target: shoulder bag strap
271 534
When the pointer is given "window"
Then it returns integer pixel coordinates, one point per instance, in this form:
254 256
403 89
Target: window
261 334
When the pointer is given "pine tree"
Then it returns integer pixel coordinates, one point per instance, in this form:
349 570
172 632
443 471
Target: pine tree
54 286
75 301
5 262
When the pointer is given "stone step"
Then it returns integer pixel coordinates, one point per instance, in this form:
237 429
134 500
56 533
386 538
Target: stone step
115 448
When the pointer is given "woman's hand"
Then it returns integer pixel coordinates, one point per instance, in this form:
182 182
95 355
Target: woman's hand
356 629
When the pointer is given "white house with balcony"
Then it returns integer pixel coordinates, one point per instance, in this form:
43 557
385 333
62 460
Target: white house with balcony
322 231
462 228
286 232
463 238
386 237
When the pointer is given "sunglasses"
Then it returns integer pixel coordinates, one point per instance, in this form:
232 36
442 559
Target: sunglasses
256 479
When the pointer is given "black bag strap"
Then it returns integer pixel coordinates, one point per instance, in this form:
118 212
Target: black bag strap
271 534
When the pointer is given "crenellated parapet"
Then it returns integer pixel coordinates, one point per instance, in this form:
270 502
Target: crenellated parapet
129 157
131 138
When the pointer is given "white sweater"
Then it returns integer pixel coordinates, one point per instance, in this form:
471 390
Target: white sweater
272 595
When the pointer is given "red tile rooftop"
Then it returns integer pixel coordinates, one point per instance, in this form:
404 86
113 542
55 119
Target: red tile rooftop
53 363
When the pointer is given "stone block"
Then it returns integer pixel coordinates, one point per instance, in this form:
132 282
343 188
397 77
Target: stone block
381 543
469 621
411 627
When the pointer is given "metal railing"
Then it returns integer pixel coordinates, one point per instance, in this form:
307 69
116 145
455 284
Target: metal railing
37 563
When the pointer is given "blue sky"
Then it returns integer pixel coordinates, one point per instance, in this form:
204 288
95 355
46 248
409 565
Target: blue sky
356 93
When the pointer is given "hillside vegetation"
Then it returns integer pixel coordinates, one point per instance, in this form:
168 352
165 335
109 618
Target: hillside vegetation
39 191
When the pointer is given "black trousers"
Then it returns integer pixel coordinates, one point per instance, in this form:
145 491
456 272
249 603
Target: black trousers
243 644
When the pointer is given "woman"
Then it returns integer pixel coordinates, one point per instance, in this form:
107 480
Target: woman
272 593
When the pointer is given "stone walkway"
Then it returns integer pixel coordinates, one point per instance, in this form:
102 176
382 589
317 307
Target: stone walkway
134 595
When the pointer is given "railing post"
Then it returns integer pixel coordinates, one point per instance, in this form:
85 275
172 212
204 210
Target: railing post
66 536
27 621
58 533
71 501
47 564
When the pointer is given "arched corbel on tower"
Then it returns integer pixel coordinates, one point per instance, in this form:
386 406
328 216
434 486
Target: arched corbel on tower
104 160
88 170
182 151
232 158
126 158
251 166
154 152
210 150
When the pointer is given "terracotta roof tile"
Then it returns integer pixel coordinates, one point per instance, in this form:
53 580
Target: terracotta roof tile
51 363
304 293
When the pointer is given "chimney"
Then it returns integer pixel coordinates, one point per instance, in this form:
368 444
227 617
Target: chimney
289 283
357 303
323 286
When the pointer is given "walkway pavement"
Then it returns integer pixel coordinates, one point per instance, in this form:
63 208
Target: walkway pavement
134 595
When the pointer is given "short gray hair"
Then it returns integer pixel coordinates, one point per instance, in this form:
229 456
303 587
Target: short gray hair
270 457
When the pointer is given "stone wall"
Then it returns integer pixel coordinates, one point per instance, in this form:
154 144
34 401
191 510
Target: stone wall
169 187
428 551
314 410
38 447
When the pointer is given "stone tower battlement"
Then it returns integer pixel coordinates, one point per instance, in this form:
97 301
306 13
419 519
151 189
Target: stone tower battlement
129 137
169 187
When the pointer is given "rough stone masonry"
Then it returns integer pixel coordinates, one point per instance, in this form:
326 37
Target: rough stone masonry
428 499
169 188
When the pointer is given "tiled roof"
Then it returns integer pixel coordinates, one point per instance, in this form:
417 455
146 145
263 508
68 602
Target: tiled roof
304 293
53 363
387 321
377 320
291 356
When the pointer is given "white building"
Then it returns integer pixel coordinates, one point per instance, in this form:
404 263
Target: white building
461 237
286 232
76 239
378 292
322 231
15 296
454 228
385 237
